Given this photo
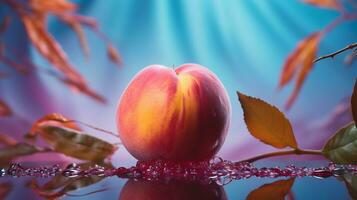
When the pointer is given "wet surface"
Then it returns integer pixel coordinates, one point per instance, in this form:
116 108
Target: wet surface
160 180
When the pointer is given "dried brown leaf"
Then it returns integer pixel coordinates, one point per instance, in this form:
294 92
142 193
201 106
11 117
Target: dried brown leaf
7 140
5 110
76 144
20 149
334 4
55 6
272 191
300 61
354 102
5 189
113 54
266 123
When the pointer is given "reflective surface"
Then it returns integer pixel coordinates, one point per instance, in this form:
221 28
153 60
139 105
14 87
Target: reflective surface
118 188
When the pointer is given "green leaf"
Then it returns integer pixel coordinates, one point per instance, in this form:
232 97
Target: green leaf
354 102
351 184
267 123
76 144
342 147
272 191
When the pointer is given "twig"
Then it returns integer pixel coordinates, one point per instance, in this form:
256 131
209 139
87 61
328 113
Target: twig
331 55
281 153
93 127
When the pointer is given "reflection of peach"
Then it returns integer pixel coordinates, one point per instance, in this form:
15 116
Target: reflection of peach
139 190
180 114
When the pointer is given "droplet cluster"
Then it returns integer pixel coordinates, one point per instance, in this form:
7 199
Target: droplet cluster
223 172
215 170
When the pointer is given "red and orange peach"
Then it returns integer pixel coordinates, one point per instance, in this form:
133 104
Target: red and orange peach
174 114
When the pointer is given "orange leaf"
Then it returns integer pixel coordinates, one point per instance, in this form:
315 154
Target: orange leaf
53 118
266 123
334 4
294 60
272 191
291 64
77 87
83 89
306 60
5 189
354 103
47 46
5 110
114 55
55 6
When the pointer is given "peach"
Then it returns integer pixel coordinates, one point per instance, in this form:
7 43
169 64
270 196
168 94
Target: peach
174 114
138 190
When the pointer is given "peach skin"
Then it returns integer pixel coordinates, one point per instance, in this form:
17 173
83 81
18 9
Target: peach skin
174 114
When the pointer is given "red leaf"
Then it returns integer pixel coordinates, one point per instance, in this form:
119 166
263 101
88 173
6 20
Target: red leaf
83 89
292 64
5 189
307 62
77 87
55 6
5 110
300 61
47 46
114 55
354 103
7 140
350 59
334 4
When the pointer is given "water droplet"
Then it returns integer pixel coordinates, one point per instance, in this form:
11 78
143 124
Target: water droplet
224 180
2 172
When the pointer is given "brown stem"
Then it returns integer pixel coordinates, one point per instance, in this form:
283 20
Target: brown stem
331 55
281 153
93 127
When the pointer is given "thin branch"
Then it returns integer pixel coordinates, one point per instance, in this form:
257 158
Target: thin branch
95 128
331 55
281 153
